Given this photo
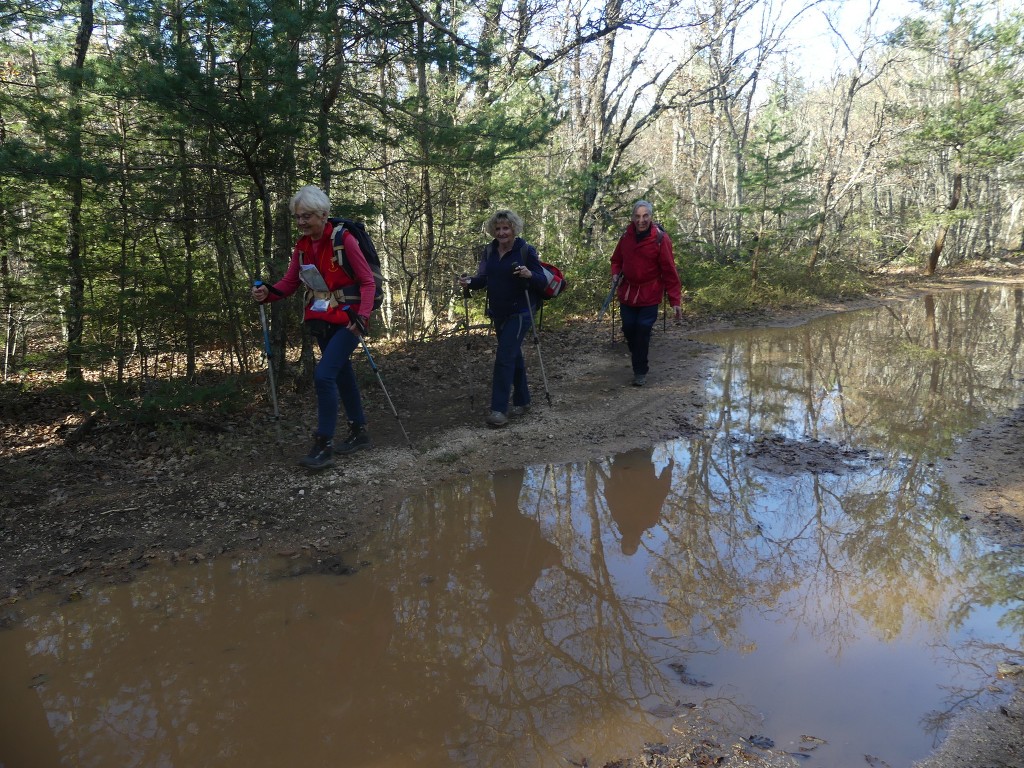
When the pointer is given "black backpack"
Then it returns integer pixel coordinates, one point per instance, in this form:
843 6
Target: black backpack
358 230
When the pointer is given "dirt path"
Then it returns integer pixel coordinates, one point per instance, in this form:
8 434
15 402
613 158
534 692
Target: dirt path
117 500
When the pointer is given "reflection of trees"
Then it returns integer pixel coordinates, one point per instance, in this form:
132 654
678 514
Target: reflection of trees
26 740
980 659
999 581
565 655
885 379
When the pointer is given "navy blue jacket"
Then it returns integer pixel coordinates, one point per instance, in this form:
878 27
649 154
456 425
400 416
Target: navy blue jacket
506 293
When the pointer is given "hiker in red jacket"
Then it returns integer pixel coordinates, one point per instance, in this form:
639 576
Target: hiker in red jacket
644 269
337 312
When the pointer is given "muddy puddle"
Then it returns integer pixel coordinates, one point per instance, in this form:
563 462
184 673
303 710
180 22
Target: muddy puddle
794 571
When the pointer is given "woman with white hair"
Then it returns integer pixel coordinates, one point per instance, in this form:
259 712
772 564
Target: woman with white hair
644 270
509 268
338 301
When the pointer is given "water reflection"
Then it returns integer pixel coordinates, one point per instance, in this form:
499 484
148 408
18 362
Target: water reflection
514 553
795 567
635 492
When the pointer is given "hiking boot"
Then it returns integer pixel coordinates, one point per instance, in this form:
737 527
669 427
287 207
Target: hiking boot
320 455
518 410
496 419
358 439
639 379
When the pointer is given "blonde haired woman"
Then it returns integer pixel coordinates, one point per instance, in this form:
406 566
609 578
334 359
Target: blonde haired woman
509 267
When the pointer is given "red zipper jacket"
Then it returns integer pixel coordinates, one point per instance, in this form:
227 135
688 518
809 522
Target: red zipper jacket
648 269
321 254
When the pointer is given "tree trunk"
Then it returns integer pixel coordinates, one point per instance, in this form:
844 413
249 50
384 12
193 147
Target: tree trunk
9 332
427 244
76 266
940 240
187 195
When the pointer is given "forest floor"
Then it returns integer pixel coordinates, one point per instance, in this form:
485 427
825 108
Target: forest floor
94 501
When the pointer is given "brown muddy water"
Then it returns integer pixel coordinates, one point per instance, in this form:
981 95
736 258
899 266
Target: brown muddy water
795 571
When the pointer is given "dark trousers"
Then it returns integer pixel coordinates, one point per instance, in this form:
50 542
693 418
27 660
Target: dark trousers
637 323
335 379
509 367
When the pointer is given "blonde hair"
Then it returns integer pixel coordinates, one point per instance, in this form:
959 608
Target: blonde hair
311 199
503 214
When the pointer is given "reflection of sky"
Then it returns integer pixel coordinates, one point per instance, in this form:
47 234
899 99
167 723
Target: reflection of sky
818 638
872 555
501 621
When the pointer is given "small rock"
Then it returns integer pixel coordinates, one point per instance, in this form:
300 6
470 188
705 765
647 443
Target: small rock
1008 669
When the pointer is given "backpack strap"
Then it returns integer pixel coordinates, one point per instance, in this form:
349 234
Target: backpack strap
334 298
349 293
338 241
530 291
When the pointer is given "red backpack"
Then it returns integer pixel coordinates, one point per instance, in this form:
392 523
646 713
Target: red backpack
556 282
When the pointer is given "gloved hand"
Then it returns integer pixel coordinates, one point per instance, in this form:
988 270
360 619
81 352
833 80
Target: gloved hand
362 324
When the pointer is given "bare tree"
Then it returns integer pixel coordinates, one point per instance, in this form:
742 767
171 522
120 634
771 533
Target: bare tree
864 71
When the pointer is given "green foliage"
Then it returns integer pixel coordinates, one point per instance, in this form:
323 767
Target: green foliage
776 204
973 63
198 121
784 282
174 403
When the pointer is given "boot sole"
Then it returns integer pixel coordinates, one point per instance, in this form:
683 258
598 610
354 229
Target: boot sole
315 467
354 449
320 468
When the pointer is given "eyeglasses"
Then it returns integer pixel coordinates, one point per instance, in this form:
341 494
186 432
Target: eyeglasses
304 217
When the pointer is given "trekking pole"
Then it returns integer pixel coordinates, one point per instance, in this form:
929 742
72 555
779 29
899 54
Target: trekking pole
609 297
268 351
536 342
376 371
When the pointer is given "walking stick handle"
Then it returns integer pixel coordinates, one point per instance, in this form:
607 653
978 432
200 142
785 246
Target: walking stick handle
268 286
611 295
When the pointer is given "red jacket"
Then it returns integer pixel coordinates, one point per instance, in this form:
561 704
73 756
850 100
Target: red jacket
321 254
648 269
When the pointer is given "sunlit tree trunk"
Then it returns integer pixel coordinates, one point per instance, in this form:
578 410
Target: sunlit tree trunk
75 256
426 187
940 239
9 325
955 62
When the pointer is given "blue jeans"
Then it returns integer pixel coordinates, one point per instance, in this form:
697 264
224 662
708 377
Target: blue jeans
509 367
334 379
637 323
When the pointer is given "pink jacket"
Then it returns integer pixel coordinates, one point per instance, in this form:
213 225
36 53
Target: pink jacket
322 256
648 269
